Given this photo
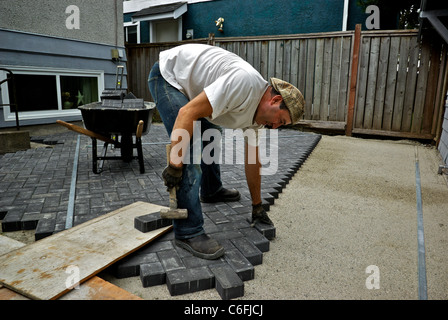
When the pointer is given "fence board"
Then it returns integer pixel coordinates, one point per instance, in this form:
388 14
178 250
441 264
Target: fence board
344 79
309 89
335 83
391 80
400 85
381 83
364 55
411 80
421 90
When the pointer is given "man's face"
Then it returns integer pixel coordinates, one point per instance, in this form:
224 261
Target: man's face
271 115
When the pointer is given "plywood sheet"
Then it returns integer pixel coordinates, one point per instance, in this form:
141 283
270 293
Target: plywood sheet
40 270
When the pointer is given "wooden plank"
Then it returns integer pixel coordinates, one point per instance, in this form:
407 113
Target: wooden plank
98 289
397 134
301 73
411 79
264 59
310 65
7 245
279 51
286 70
257 55
326 125
357 86
335 83
362 85
271 59
326 79
294 71
401 84
371 83
317 97
431 88
391 82
38 270
93 289
353 81
344 80
381 83
422 80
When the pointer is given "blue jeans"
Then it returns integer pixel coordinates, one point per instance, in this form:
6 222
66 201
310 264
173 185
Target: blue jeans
203 178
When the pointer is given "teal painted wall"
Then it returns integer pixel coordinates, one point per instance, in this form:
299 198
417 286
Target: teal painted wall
264 17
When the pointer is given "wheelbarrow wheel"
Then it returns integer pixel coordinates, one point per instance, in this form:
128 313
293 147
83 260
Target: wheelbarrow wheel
126 148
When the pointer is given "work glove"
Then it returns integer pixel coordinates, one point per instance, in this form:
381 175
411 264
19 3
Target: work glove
260 215
172 176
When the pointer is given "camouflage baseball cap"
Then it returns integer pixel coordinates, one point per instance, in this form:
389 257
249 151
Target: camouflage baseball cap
292 97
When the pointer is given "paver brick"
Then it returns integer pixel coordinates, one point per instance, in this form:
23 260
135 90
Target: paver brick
189 280
240 264
152 274
228 284
170 260
249 250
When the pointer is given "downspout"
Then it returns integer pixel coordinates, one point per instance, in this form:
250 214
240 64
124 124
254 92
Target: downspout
345 15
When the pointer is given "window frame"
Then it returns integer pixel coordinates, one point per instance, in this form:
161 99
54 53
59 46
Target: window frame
9 115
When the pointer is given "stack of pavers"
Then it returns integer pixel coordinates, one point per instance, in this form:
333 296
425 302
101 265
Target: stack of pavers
35 187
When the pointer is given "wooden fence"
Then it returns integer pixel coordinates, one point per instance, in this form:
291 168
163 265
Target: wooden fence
375 82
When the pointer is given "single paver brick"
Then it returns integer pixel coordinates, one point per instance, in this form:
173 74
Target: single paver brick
130 266
170 260
259 240
152 274
184 281
249 250
239 264
228 284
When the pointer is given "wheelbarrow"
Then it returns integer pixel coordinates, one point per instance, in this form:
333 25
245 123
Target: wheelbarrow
115 122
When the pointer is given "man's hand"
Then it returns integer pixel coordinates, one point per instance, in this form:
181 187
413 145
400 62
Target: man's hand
172 176
260 215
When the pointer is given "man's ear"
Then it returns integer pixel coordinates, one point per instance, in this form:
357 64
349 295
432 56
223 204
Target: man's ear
276 99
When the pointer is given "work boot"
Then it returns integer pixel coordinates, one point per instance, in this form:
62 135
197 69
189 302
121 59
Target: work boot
202 246
223 195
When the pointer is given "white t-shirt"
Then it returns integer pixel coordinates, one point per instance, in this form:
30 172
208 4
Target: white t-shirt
233 87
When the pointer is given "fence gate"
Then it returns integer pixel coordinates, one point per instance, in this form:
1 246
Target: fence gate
398 86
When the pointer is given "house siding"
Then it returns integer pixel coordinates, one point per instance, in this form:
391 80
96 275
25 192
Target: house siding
96 19
34 35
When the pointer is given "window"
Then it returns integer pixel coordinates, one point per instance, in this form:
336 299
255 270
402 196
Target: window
77 91
47 93
132 32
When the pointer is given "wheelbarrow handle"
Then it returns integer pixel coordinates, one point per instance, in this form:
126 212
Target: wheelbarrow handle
86 132
139 132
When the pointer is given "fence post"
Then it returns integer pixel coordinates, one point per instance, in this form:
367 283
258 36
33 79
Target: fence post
353 79
211 39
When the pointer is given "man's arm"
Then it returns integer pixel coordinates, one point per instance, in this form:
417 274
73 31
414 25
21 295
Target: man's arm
253 176
197 108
